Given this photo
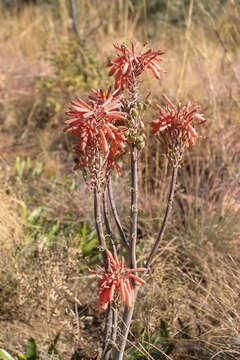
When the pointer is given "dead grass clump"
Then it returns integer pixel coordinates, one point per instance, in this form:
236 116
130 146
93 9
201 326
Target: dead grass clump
51 297
11 240
195 290
11 225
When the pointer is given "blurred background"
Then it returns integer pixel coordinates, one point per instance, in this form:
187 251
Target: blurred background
54 50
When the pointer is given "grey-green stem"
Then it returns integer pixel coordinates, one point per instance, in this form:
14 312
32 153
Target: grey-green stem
115 215
166 217
128 313
134 206
99 226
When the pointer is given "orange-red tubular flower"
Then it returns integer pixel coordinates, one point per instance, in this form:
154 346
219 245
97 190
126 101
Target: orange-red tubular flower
96 121
176 123
117 278
131 63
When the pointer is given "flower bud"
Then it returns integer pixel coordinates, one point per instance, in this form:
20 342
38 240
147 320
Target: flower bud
140 144
149 102
134 112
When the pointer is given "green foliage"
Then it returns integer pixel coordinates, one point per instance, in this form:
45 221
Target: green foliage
75 69
90 248
19 4
52 350
25 168
32 353
41 224
5 355
155 344
174 11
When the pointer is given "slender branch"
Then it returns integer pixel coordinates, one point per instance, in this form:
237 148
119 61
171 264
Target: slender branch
101 238
110 320
166 217
115 215
99 226
115 324
106 221
128 313
108 333
134 206
122 338
81 42
73 8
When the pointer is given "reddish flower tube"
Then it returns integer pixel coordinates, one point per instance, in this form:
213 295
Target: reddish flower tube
131 63
116 279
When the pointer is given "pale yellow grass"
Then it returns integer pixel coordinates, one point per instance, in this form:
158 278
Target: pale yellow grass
10 221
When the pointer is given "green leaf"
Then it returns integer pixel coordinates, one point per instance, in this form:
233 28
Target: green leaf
37 170
90 246
67 229
55 229
31 353
5 355
20 165
53 350
29 163
163 330
55 102
21 356
55 341
35 214
50 237
84 232
23 209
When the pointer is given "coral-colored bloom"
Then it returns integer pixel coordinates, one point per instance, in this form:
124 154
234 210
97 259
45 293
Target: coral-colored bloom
98 124
175 123
117 278
95 120
130 64
178 119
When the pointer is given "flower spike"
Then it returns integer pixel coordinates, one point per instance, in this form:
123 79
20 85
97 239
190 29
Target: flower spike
98 123
116 279
176 125
131 63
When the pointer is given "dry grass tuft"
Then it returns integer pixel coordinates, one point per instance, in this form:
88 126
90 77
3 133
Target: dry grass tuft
11 226
195 290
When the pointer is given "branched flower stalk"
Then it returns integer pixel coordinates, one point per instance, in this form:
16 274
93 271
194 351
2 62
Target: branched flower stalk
109 125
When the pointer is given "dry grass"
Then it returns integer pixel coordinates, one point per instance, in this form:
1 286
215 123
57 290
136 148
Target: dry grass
11 229
195 290
194 284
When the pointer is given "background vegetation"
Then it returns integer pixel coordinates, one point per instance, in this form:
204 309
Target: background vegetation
191 305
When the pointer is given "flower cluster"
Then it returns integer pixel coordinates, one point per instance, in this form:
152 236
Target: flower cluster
98 125
117 278
129 64
175 123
